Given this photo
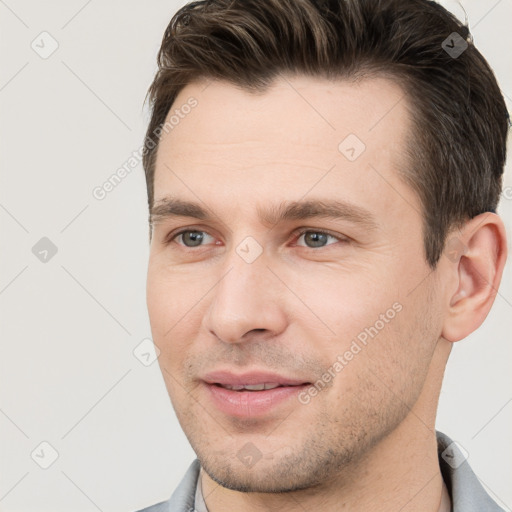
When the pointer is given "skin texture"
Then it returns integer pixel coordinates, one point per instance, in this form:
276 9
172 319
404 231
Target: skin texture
367 440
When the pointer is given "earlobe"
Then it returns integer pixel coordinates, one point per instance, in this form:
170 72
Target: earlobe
477 273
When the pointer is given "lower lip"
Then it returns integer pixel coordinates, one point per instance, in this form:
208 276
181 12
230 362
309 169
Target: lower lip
248 404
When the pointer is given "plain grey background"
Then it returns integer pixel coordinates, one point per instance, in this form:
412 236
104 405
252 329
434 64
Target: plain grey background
72 320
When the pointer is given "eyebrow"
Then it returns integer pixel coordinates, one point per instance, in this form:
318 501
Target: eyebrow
270 215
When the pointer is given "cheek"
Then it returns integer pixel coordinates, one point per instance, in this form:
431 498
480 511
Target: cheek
170 308
368 325
160 302
344 304
399 355
170 293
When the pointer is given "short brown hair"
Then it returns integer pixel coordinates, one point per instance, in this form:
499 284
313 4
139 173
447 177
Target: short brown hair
457 150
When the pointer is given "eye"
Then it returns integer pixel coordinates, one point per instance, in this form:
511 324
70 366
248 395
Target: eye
315 238
190 237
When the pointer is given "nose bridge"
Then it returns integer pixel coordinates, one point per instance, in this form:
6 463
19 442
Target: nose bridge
244 298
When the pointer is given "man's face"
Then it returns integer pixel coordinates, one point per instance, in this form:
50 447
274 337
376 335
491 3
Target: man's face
345 317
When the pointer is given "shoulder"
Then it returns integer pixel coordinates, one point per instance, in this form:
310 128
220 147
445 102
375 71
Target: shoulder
182 499
466 491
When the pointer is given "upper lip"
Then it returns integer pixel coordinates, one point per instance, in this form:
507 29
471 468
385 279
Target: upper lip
225 377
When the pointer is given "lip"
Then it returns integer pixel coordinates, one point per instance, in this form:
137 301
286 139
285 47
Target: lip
225 377
251 404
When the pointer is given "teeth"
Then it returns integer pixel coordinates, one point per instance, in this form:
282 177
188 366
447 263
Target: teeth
252 387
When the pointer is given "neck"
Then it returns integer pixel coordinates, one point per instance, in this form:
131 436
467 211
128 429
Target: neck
400 473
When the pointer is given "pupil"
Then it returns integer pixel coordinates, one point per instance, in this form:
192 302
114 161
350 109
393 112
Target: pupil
194 236
316 238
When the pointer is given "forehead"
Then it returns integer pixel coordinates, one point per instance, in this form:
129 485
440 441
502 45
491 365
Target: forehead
288 136
325 105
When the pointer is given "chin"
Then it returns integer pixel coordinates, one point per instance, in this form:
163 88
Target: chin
257 480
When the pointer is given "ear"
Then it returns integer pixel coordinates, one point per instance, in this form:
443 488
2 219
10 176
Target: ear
477 256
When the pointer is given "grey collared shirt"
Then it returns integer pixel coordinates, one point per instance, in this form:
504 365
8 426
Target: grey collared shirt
200 505
466 492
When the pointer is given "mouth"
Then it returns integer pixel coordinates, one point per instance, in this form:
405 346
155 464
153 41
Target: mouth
256 380
256 387
251 395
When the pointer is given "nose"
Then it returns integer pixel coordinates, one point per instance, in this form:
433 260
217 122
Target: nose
247 299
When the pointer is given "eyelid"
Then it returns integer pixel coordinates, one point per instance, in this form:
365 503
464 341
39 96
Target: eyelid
297 233
170 237
300 231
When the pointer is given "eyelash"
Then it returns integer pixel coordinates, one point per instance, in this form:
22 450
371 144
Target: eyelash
297 234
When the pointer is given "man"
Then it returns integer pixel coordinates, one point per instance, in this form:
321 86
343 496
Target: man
322 180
